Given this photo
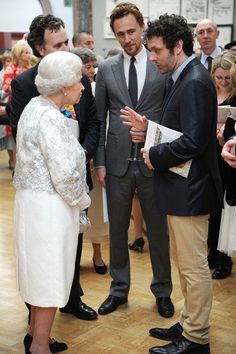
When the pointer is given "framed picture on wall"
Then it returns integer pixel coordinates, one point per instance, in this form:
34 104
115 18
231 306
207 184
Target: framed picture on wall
194 11
160 7
225 35
221 11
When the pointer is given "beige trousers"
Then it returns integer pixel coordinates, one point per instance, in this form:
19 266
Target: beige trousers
188 245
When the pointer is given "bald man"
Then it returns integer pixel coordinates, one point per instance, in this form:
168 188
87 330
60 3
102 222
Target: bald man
206 35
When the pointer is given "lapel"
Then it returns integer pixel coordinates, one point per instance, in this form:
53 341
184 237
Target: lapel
119 75
175 87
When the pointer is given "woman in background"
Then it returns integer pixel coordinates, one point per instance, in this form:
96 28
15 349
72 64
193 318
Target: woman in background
6 141
50 178
224 76
20 62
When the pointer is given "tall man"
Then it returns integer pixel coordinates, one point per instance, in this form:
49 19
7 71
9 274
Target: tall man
47 34
207 34
117 170
191 108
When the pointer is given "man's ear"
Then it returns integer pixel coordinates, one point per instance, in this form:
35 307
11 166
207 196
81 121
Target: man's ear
40 49
178 46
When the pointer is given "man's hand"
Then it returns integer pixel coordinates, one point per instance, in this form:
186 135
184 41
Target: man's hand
101 175
228 152
133 119
137 136
145 153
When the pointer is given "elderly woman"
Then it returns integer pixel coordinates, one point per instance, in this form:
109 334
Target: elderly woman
50 179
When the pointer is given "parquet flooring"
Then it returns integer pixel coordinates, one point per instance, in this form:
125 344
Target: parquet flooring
123 332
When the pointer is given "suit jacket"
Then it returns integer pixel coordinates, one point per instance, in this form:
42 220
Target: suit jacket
191 108
112 95
23 89
229 172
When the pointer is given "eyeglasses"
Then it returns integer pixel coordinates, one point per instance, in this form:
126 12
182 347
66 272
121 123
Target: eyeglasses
221 78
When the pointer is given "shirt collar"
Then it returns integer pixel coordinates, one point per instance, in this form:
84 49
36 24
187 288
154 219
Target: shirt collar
214 54
178 71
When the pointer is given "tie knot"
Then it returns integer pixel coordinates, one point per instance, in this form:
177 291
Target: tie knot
132 60
209 59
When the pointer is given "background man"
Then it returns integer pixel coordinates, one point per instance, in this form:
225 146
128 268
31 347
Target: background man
47 34
207 34
83 39
117 168
190 107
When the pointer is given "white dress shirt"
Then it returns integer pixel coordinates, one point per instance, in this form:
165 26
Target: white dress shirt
140 65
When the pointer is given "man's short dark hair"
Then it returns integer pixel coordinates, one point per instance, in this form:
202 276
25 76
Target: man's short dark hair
124 9
38 27
172 28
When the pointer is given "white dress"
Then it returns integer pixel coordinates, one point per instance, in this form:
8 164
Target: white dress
50 178
227 235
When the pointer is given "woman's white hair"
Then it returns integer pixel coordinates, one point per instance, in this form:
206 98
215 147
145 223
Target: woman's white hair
57 70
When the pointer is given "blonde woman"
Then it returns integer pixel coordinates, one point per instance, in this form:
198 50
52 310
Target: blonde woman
224 77
20 62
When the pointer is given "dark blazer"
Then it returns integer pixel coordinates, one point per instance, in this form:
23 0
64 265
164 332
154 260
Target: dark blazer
229 172
86 115
23 89
191 108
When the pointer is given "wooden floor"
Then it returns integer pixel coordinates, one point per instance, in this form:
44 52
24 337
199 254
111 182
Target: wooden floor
123 332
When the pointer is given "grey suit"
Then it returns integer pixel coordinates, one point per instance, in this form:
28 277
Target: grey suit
123 176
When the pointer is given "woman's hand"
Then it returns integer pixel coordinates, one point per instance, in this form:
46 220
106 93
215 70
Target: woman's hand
2 110
219 134
229 153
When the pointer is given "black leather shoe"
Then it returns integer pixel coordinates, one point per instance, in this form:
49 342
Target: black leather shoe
100 269
165 306
212 262
170 334
54 346
137 245
222 272
181 345
111 304
80 310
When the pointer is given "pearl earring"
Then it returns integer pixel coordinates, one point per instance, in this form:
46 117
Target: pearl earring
65 93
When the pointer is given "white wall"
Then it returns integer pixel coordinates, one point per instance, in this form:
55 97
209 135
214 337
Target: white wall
16 15
65 13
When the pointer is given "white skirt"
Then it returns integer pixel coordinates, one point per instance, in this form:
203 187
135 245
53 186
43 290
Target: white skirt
227 236
46 232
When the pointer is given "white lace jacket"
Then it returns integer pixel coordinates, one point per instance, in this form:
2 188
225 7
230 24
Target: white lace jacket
49 158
